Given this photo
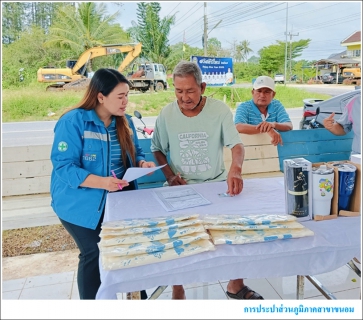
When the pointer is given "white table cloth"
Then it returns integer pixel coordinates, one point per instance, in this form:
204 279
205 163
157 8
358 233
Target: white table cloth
334 244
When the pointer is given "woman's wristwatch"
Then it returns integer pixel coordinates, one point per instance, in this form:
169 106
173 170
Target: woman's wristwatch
141 162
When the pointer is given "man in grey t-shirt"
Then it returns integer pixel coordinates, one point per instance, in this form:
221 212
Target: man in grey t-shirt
194 130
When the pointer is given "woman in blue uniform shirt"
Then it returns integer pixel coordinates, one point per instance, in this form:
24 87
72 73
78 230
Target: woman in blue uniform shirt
91 141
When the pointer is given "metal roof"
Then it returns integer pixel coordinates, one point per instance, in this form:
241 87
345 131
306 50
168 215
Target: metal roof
338 61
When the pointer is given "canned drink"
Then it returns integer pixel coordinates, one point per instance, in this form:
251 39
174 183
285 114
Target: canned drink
347 174
297 190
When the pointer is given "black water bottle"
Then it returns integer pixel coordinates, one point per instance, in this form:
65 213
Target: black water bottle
297 190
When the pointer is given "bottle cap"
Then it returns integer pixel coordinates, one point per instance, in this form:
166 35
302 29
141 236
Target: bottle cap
323 169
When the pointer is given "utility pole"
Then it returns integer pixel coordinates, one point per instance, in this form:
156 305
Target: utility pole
291 35
205 37
287 15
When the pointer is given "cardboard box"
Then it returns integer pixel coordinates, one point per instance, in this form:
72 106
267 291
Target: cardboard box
355 201
356 158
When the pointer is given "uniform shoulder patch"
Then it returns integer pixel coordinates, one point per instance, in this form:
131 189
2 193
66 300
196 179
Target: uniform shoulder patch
62 146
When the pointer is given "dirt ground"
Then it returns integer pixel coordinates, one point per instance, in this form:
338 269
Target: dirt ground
45 239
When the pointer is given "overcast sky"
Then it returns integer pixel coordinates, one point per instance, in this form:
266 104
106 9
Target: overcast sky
261 23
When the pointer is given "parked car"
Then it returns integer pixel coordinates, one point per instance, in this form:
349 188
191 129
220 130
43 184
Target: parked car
279 77
316 110
332 78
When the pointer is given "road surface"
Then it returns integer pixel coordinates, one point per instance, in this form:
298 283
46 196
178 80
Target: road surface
41 132
329 89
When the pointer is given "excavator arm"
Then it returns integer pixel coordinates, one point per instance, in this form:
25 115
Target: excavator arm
69 78
133 50
131 56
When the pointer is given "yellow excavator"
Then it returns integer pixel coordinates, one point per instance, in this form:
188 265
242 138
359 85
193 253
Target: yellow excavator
352 76
75 75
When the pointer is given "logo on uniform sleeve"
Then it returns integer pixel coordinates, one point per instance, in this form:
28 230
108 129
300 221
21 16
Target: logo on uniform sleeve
62 146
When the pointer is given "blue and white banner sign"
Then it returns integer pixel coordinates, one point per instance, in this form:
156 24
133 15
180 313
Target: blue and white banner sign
215 71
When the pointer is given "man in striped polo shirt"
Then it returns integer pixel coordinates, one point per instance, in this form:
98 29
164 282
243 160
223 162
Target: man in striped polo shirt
263 113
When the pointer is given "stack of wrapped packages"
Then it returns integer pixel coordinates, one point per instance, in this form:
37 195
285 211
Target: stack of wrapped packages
238 229
135 242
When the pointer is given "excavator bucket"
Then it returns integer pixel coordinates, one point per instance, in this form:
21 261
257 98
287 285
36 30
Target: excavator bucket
79 84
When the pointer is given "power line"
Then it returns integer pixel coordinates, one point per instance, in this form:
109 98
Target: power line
252 7
232 22
316 26
190 26
238 13
187 17
226 9
195 35
173 9
249 11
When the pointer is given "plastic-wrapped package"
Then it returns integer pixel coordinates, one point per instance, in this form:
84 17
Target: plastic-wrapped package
251 236
150 247
147 222
246 219
111 240
144 230
114 263
298 188
231 226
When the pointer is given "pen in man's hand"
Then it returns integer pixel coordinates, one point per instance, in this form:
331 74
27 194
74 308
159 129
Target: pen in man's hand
114 175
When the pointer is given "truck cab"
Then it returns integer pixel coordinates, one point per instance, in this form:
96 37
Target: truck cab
147 76
279 77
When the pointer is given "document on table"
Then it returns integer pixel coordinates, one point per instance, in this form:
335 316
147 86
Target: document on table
135 173
177 198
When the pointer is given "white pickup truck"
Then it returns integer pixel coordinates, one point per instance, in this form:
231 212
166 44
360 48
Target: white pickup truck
279 77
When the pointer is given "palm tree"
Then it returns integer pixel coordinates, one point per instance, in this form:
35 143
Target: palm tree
244 49
85 27
238 56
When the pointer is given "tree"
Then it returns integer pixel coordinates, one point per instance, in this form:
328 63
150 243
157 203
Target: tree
152 31
272 58
13 15
28 53
245 49
87 26
214 47
247 71
302 71
20 16
296 47
177 54
42 14
254 59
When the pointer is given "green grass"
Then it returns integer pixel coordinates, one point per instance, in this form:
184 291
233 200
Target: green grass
35 103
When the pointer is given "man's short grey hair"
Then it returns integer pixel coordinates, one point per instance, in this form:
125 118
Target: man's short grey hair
184 68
